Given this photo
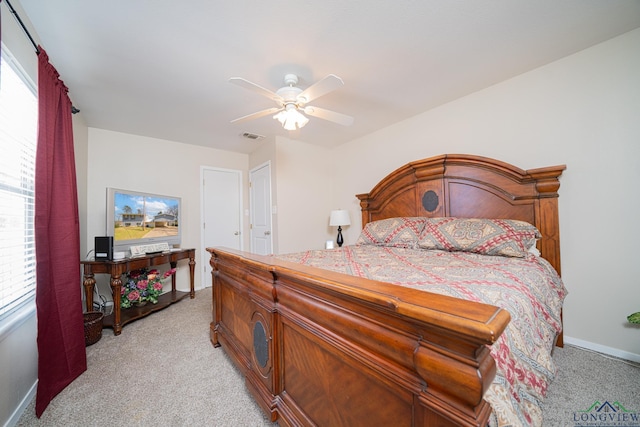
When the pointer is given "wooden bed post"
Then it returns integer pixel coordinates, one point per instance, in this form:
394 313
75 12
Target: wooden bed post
547 185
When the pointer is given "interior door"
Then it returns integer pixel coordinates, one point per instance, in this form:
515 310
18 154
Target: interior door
221 213
260 199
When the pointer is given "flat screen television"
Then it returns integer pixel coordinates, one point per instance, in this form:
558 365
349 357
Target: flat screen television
135 218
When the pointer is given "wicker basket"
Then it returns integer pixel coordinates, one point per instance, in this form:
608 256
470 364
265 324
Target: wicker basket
92 327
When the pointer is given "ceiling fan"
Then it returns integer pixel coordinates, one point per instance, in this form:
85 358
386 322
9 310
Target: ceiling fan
292 101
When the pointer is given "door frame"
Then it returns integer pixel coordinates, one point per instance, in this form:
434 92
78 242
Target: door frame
206 256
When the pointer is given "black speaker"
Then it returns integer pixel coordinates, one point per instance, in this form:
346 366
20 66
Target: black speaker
104 248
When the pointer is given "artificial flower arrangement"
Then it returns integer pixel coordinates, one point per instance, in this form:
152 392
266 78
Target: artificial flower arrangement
141 286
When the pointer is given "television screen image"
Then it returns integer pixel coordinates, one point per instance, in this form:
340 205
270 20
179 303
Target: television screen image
137 218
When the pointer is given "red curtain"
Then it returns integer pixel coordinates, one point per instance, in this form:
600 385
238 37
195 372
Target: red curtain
61 346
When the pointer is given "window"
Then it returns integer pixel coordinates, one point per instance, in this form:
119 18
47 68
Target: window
18 133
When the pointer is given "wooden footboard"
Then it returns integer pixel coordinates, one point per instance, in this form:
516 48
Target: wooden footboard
322 348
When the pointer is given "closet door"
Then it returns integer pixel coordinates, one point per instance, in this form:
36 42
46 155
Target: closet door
221 213
261 210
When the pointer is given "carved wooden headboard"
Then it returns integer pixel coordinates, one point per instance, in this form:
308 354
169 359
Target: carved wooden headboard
466 186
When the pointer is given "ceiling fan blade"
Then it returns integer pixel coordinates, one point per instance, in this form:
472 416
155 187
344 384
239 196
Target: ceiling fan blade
322 87
255 88
256 115
332 116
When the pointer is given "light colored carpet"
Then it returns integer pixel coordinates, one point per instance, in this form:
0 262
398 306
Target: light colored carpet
586 377
163 371
160 371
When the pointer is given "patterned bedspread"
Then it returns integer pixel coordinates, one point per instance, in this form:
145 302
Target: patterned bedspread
528 288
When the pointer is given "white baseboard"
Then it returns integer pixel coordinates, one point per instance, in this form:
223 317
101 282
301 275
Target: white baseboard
621 354
15 417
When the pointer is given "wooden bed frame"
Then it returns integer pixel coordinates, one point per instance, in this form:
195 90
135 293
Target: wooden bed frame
322 348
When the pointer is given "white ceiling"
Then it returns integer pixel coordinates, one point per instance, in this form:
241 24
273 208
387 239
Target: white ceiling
161 68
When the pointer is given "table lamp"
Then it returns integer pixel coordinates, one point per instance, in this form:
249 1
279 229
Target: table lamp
339 218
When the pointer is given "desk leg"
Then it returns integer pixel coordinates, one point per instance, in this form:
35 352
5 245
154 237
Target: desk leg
173 265
116 286
192 267
89 283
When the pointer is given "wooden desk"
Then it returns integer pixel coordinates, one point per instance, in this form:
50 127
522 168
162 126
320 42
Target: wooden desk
116 269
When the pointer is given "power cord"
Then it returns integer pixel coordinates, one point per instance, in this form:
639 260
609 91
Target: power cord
102 306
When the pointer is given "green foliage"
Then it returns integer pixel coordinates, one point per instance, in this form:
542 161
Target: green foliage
634 318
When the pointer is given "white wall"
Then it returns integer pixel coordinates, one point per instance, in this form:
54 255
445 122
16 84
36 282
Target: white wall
304 180
81 154
301 192
582 111
19 361
156 166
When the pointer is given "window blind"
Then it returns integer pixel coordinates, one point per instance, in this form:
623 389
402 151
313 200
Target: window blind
18 136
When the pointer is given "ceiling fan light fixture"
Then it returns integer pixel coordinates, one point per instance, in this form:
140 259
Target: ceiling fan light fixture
292 100
291 118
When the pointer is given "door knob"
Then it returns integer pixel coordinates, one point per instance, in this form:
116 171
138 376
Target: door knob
267 233
236 233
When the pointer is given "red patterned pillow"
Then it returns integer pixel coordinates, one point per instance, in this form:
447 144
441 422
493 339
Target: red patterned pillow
504 237
400 232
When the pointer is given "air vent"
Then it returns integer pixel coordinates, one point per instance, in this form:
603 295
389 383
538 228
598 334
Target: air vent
252 135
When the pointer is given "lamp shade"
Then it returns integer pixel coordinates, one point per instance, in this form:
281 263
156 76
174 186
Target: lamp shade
291 118
339 217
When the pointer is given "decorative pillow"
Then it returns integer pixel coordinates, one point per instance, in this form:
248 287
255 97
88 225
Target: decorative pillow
400 232
504 237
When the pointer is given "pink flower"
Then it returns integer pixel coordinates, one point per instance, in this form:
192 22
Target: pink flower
169 273
142 284
133 295
157 286
122 290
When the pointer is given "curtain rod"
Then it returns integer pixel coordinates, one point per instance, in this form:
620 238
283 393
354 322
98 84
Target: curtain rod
24 28
74 110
